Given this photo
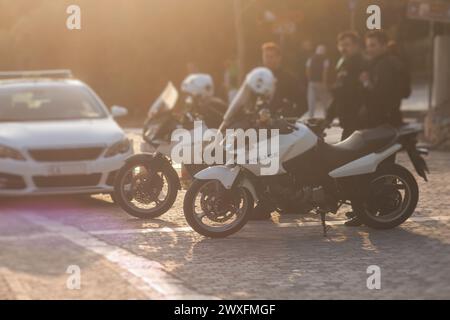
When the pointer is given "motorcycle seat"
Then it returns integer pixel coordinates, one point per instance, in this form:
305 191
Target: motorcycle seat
368 140
359 144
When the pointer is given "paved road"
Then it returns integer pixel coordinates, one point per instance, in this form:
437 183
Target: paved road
44 242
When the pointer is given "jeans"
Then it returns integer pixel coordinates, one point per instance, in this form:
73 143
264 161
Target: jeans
317 94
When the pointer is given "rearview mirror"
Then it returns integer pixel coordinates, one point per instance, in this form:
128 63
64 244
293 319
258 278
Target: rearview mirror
118 111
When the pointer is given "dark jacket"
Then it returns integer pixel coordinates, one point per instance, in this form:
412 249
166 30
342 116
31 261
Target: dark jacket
289 99
348 93
383 96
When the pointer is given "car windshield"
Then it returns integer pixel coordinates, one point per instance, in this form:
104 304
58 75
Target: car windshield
48 103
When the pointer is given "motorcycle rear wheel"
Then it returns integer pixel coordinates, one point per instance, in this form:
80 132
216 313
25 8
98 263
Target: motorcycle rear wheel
391 198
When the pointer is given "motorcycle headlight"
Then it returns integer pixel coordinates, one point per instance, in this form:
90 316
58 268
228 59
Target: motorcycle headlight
10 153
117 148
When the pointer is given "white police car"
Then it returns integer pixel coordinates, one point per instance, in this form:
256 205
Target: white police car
57 136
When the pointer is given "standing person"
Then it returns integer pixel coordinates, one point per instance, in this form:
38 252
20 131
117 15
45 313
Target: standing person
348 91
404 73
306 51
317 68
287 100
231 79
382 82
381 88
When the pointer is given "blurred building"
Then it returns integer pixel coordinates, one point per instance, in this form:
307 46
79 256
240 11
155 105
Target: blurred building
436 13
129 51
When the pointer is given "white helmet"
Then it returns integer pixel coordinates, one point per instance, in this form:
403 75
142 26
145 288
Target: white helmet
198 85
261 81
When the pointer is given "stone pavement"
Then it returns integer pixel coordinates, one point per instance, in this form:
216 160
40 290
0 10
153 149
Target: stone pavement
121 257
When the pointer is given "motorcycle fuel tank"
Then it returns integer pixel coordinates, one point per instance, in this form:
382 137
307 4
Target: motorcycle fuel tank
287 147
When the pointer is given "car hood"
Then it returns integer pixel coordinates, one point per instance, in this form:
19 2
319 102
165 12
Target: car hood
65 133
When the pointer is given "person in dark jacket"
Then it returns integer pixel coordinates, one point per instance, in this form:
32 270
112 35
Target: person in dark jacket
348 91
289 100
382 88
382 82
404 85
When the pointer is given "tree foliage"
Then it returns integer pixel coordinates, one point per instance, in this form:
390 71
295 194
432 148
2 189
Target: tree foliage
127 50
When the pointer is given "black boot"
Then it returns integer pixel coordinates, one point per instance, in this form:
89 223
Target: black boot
353 222
262 211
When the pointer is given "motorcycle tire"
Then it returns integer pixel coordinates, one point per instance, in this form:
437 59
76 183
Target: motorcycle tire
410 182
189 212
172 181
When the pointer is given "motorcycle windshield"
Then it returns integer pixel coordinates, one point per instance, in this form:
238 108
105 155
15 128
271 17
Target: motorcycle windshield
242 98
165 102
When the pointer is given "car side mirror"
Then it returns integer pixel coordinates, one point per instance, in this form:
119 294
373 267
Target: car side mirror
118 111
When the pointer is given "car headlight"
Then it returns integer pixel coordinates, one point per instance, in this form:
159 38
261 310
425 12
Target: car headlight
120 147
10 153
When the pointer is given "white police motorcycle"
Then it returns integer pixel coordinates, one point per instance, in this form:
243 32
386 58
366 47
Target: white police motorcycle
360 170
147 185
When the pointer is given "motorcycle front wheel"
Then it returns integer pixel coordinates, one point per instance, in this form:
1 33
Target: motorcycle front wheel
145 191
215 212
391 198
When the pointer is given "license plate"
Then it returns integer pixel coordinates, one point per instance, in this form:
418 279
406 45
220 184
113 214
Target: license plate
67 169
